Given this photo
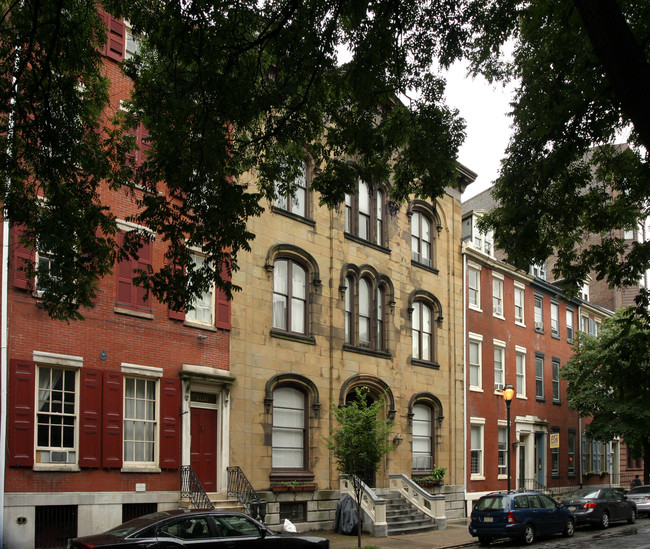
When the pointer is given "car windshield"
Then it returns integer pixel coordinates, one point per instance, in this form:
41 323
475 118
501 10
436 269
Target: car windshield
493 503
586 494
640 490
131 526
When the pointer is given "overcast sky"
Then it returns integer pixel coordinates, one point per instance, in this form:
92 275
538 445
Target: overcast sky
484 109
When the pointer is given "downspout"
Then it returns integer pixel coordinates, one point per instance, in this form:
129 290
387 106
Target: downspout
465 375
331 348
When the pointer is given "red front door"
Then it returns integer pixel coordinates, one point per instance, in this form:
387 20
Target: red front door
203 450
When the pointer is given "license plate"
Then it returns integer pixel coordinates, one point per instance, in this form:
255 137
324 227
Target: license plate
489 519
572 507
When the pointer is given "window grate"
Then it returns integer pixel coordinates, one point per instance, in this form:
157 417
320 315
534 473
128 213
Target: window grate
54 525
294 511
135 510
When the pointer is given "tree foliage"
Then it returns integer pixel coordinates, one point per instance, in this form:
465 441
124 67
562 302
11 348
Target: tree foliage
609 381
234 96
562 179
360 441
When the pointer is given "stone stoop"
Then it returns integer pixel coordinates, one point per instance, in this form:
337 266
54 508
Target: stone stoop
403 518
220 501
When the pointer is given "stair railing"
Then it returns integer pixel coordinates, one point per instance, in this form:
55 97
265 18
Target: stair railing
192 489
239 487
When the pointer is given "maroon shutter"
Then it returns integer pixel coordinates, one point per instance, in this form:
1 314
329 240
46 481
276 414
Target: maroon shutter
112 420
115 34
124 279
170 407
144 262
21 413
176 315
21 255
222 304
90 433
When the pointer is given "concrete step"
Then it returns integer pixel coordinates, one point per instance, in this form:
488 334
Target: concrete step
403 518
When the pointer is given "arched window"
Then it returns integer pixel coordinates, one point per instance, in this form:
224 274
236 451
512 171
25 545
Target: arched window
289 296
289 428
365 309
364 214
422 332
422 438
425 225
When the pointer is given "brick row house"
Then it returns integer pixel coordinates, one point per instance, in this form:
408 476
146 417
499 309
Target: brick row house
103 413
519 332
368 296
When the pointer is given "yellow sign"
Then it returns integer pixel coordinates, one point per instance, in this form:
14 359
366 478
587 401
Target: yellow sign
555 440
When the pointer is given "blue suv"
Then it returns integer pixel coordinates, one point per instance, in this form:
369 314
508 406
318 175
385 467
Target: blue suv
519 515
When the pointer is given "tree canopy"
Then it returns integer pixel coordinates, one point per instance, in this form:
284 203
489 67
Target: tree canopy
233 97
562 178
609 381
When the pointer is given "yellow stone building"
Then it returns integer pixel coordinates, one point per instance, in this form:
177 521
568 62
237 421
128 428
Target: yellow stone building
367 295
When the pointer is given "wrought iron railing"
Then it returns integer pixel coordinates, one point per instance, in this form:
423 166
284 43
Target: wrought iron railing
192 489
532 484
239 487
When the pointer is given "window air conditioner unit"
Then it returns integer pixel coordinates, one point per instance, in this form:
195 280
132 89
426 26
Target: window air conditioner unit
539 325
58 456
498 386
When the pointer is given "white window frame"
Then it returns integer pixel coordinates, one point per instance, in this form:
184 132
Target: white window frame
502 470
276 461
477 424
499 358
474 293
296 199
539 378
556 379
191 316
538 313
520 289
520 352
497 295
61 362
152 374
555 319
424 435
570 325
478 340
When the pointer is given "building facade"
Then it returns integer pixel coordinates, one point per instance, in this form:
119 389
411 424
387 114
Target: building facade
366 296
519 331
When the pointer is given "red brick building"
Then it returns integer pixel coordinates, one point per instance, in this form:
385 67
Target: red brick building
519 330
100 412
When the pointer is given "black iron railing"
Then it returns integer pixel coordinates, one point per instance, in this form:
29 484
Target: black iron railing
239 487
191 488
532 484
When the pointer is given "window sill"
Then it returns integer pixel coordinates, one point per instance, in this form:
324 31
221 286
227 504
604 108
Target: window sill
140 469
475 389
293 337
424 267
540 399
295 217
557 402
365 351
199 325
288 475
475 308
368 243
555 335
425 364
500 317
519 323
522 397
53 467
131 312
477 477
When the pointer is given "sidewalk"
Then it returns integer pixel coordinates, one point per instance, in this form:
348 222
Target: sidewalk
455 535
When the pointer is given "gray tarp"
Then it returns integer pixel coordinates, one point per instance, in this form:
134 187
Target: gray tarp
345 520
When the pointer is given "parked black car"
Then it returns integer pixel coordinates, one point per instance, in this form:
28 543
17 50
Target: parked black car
519 515
600 507
197 529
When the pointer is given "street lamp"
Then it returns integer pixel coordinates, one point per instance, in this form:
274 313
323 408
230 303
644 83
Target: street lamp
508 393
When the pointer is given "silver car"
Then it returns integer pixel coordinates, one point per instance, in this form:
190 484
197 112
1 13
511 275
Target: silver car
641 496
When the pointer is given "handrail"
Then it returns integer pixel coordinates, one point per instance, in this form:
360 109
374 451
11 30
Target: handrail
192 489
432 505
373 505
239 487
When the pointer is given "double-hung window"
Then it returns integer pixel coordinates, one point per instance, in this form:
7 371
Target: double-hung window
288 439
555 363
555 319
476 448
497 295
421 239
474 287
140 421
539 376
503 451
364 214
569 325
289 297
365 311
422 438
520 374
499 364
519 303
475 361
422 332
293 198
539 313
202 311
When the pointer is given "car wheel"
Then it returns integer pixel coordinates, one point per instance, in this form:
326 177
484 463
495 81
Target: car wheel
529 534
569 529
604 520
484 540
632 518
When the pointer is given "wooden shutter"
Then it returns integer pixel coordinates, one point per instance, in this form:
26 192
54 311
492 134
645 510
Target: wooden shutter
90 430
112 420
143 262
116 36
128 294
222 305
20 255
170 407
124 279
21 413
176 315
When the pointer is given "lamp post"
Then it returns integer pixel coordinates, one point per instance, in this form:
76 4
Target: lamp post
508 393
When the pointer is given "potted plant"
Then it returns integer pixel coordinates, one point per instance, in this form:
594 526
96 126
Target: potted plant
434 478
